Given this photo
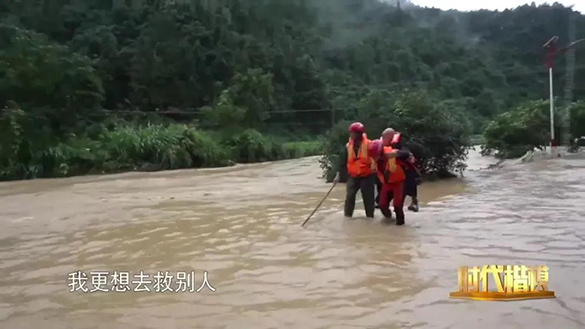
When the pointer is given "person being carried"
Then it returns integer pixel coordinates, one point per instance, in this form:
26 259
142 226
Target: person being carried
412 181
392 177
393 138
361 169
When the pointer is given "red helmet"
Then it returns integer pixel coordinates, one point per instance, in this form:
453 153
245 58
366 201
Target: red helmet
375 147
357 127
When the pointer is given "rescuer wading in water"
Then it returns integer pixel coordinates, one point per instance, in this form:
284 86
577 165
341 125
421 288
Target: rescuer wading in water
361 169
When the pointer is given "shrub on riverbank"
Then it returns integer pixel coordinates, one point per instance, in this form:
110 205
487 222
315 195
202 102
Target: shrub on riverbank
293 150
251 146
523 129
142 147
577 124
435 133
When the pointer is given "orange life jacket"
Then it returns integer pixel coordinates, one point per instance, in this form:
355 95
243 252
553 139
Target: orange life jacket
360 164
393 172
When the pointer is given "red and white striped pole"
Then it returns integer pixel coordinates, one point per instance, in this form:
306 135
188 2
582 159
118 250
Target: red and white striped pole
550 62
552 114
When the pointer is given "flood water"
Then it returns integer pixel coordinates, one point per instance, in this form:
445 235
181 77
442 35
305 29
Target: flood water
242 226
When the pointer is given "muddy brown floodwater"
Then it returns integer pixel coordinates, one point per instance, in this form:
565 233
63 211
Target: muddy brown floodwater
242 226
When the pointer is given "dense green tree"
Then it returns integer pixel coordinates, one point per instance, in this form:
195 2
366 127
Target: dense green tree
278 66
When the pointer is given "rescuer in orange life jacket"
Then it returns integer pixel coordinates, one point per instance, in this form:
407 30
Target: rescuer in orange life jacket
392 138
361 169
392 176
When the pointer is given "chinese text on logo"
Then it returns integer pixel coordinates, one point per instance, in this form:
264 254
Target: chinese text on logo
515 282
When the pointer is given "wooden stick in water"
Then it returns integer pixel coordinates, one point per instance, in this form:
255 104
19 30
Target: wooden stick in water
320 203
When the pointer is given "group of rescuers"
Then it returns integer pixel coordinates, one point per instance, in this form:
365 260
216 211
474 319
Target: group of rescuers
385 165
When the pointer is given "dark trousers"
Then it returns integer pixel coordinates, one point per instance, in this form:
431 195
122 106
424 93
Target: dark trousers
366 185
410 186
378 190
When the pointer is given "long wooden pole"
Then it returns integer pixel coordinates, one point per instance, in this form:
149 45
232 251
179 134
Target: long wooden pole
552 118
320 203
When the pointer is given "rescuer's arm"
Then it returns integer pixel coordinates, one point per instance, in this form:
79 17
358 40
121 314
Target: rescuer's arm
412 161
402 155
410 158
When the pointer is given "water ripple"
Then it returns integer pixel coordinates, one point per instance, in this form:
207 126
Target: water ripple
244 231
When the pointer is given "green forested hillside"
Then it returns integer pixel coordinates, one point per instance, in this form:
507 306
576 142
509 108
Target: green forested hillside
73 72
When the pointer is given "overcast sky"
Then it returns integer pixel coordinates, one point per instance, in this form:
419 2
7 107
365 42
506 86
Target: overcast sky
467 5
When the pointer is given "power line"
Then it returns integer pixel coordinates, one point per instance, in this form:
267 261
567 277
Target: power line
199 112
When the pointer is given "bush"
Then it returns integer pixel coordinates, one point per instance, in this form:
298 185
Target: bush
577 124
577 117
293 150
126 147
251 146
161 147
22 138
436 135
75 157
332 147
135 147
523 129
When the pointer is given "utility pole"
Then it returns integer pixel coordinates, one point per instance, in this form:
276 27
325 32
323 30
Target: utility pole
552 52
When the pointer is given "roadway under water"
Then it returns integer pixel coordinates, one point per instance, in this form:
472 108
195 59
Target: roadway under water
243 226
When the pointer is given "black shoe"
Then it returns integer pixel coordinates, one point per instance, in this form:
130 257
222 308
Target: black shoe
399 217
413 207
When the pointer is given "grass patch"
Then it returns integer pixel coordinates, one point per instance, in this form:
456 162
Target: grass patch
131 147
